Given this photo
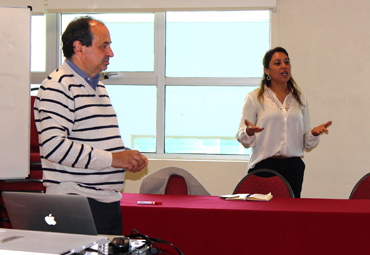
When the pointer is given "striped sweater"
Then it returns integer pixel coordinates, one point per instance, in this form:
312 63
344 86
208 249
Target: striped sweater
78 131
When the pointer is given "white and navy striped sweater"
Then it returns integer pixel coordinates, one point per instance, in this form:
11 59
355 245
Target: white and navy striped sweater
78 131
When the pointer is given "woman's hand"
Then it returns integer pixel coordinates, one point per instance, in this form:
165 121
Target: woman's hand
321 129
252 129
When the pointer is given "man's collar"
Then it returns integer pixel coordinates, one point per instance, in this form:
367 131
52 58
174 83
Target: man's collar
93 82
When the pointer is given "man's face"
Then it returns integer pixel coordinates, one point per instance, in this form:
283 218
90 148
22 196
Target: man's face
98 54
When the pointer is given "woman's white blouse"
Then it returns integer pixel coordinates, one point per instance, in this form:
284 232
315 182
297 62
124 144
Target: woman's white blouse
287 128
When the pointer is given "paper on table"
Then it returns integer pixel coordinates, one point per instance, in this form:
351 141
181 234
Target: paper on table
254 197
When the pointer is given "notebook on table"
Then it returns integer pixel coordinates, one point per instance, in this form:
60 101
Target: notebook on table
49 212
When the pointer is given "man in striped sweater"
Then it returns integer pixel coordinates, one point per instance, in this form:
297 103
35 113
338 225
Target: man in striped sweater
81 148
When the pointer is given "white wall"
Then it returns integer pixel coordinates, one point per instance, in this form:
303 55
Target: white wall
327 42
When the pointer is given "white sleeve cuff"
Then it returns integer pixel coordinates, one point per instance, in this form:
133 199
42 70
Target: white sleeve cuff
246 140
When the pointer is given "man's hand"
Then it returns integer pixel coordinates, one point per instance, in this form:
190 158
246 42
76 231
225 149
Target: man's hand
131 160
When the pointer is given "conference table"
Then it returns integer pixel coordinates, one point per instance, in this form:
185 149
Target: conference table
212 225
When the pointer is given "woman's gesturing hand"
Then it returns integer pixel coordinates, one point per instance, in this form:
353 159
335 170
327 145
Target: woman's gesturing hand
251 129
321 129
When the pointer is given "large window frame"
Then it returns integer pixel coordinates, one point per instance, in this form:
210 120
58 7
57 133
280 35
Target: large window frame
158 78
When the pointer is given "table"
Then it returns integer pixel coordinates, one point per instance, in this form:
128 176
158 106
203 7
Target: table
211 225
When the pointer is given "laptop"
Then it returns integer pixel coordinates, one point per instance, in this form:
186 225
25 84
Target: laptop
16 242
49 212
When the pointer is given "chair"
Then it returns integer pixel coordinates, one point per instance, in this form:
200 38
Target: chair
176 185
35 160
264 181
362 188
172 180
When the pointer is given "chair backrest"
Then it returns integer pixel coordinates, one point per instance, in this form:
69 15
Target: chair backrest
34 134
157 182
34 137
176 185
362 188
264 181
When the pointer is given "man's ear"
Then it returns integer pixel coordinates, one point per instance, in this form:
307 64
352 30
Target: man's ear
78 48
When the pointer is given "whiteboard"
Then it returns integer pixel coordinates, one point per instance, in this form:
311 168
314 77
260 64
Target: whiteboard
15 37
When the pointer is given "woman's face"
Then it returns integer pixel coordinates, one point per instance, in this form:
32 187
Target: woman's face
279 68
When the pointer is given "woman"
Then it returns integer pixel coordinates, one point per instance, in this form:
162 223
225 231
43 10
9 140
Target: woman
276 123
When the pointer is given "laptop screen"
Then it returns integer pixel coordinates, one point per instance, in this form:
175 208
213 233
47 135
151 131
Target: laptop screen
49 212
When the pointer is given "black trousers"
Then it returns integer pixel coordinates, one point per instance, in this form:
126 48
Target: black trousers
292 169
107 217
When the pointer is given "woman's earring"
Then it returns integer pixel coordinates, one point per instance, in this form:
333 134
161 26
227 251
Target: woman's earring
268 77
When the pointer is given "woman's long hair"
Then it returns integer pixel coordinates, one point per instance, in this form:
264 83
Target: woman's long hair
292 85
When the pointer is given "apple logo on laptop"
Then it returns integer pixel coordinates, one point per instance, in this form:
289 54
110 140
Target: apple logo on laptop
50 220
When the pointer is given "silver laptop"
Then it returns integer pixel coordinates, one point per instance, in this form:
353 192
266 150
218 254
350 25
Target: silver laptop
16 242
49 212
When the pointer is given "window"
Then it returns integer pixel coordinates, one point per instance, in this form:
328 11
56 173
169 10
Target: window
216 44
38 43
203 119
135 106
180 78
132 38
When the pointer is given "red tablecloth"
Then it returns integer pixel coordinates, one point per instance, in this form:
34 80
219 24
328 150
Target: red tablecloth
211 225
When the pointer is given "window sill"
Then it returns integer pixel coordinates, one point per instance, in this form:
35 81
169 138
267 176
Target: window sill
197 157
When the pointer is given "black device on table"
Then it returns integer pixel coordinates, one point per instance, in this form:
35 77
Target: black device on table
137 244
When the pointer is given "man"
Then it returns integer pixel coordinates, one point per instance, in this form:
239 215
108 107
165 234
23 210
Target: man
81 149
